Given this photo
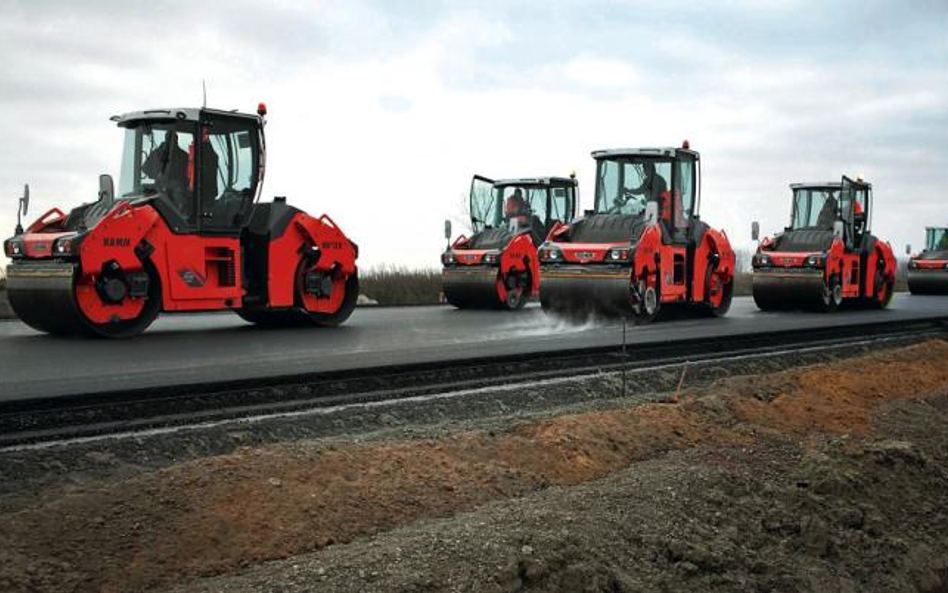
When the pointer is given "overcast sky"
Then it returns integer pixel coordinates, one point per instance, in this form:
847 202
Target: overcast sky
380 112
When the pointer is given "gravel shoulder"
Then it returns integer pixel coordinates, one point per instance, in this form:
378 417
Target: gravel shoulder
828 477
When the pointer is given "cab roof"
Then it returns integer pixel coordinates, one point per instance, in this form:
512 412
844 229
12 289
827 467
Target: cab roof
816 185
538 181
194 114
826 184
667 152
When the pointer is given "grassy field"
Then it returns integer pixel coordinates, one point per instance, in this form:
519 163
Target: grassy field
399 285
742 284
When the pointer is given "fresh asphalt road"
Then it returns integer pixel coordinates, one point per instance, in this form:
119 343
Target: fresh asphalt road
187 349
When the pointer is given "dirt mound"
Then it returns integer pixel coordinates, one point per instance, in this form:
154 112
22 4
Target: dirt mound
839 398
223 513
259 504
701 519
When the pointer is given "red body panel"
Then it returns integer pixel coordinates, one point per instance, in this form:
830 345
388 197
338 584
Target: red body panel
519 256
715 244
40 245
470 257
113 239
584 253
50 219
929 264
337 253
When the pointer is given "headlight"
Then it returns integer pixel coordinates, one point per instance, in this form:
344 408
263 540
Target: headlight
946 266
63 247
816 261
13 248
491 259
761 260
447 258
912 265
619 255
549 253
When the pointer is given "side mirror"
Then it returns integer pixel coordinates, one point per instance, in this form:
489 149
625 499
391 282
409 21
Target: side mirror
838 229
447 230
25 200
755 231
651 213
22 208
106 189
908 249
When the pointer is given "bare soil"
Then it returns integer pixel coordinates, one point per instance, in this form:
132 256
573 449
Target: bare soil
831 477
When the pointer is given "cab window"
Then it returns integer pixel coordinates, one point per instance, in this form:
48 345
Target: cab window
561 204
684 195
156 160
229 164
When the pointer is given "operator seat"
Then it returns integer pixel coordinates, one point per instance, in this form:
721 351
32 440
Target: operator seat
827 215
537 229
209 165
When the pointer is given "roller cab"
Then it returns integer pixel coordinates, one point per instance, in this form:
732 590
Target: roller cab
827 256
497 266
928 270
643 246
184 231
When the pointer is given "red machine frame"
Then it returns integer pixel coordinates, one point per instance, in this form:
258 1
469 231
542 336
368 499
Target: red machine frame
278 266
506 275
928 270
650 266
823 279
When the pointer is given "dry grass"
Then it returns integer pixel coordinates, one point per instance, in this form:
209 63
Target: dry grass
743 284
5 311
398 285
901 276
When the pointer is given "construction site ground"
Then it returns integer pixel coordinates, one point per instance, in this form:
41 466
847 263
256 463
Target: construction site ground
820 477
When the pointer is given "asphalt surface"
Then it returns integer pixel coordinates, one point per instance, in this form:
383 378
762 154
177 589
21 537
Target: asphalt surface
189 349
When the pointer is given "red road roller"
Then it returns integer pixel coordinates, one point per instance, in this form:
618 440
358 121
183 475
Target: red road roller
827 256
497 266
643 246
184 232
928 270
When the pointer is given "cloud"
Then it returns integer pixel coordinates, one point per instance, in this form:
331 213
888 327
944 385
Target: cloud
380 114
600 73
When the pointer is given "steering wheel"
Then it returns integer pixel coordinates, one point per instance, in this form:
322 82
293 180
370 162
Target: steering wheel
621 200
